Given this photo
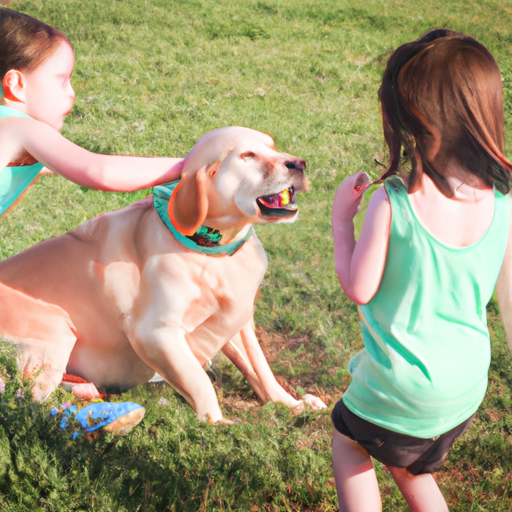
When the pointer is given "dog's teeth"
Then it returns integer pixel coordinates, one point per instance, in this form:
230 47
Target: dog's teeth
285 197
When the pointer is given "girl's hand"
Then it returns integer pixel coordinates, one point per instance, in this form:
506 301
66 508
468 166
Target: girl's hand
348 197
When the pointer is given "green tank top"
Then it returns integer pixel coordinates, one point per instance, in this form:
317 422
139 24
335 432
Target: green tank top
424 367
14 181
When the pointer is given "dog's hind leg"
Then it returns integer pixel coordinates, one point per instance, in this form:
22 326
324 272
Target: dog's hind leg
43 334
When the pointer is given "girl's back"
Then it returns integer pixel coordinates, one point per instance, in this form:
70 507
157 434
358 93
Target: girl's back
459 221
424 367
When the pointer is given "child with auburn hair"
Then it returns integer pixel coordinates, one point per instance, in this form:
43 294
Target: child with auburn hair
36 64
423 270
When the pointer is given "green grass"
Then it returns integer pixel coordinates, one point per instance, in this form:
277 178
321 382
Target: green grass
151 77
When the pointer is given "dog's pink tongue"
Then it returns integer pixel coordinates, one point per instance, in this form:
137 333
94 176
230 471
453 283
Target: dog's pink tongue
273 201
285 198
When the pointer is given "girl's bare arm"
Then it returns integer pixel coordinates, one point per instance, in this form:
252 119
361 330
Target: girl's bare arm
360 265
504 290
99 172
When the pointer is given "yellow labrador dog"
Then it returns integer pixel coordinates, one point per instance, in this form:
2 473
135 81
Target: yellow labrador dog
162 285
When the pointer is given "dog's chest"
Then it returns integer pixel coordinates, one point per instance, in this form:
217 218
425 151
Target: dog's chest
228 286
226 289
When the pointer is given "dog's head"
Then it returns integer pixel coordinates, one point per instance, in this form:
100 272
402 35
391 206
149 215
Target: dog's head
234 176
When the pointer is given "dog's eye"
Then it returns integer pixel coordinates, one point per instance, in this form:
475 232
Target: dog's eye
247 154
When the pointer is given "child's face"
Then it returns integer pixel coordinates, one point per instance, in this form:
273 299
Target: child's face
49 94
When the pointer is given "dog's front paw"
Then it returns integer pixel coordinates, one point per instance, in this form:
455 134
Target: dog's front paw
314 402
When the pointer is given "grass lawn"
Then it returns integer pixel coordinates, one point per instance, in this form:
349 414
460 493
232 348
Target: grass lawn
151 77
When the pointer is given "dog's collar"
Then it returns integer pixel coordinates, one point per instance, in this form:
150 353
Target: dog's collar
205 240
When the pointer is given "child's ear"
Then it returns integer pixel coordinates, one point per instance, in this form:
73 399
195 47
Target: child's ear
13 84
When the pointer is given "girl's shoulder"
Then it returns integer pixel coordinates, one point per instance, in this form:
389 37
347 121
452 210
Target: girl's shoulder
378 194
15 127
378 212
15 131
14 120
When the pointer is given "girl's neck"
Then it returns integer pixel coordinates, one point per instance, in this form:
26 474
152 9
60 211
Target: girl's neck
463 182
465 186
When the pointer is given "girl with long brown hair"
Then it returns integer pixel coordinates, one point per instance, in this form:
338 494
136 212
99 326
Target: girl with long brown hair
423 269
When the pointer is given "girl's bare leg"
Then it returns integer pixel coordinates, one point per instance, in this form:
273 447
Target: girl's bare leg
356 481
420 491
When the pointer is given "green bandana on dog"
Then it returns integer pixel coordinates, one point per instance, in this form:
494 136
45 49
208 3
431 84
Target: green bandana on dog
205 240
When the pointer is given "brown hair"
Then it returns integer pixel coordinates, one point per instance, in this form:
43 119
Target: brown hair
25 42
442 102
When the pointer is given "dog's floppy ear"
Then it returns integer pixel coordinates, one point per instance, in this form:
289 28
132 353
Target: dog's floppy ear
188 204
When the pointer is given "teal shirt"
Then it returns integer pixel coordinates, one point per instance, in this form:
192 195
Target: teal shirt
14 181
424 367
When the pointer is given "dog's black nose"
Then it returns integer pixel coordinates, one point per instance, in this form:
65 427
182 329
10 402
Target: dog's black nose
298 165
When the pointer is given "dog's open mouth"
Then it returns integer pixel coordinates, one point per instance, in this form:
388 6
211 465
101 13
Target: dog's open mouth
281 205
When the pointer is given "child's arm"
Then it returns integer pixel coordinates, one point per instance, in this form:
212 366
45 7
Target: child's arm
360 265
91 170
504 290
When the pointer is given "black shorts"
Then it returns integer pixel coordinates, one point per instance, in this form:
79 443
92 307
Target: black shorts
393 449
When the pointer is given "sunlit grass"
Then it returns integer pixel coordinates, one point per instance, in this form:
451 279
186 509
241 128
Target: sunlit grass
153 76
